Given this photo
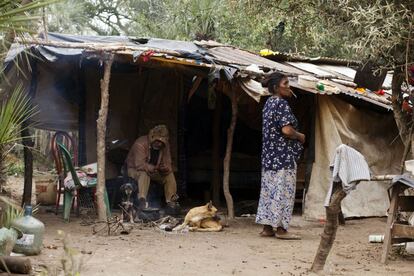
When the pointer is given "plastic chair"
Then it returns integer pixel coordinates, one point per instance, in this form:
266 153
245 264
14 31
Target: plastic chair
68 195
65 139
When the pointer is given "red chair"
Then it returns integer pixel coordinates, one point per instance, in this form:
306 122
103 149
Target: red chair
65 139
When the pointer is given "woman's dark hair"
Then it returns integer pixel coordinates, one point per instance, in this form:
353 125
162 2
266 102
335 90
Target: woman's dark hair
273 80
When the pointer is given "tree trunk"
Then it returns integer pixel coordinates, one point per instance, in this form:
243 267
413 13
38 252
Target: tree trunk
227 158
101 126
397 98
329 231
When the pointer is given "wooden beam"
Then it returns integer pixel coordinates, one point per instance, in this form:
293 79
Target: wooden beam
196 84
402 231
101 127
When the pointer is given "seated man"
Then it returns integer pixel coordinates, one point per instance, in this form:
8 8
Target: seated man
150 159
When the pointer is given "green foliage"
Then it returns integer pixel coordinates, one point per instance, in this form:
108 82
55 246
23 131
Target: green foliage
338 28
289 26
16 168
10 213
17 20
14 110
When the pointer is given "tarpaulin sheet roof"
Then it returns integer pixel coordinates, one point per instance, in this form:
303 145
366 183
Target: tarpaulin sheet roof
184 48
210 55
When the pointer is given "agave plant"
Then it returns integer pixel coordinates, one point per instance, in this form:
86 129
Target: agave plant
16 20
14 110
11 211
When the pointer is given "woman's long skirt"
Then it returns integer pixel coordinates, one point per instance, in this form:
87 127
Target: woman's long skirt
277 197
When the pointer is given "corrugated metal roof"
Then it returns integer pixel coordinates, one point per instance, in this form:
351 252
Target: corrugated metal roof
278 56
209 55
341 72
312 68
236 56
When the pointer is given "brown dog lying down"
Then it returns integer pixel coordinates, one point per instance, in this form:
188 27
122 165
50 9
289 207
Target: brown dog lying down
202 219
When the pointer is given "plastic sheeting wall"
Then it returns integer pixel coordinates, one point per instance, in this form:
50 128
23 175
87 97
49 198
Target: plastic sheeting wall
56 96
370 133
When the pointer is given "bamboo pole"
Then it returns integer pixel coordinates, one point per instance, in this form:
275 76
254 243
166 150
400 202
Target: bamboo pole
227 157
101 127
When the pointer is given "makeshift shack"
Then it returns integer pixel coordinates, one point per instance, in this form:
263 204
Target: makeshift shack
192 87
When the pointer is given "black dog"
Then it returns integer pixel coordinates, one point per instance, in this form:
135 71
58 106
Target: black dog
127 204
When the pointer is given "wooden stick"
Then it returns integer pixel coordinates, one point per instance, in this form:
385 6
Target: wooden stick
15 264
385 177
331 226
227 157
101 127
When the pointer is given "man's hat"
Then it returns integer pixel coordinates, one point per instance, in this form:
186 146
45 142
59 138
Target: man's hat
159 133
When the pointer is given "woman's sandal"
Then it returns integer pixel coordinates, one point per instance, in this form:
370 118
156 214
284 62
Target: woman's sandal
267 234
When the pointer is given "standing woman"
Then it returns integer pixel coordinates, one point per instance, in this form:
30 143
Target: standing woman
281 149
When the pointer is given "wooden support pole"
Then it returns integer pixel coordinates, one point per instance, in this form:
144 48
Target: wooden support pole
28 142
101 127
215 149
392 212
331 226
227 157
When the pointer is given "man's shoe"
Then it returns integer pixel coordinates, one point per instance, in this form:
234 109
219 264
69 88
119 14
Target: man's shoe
173 208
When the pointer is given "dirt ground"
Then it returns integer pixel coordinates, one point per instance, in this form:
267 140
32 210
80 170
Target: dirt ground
238 250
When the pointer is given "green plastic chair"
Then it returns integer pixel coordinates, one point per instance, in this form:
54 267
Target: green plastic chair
68 195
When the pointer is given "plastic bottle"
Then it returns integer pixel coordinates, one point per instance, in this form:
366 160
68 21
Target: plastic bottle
33 230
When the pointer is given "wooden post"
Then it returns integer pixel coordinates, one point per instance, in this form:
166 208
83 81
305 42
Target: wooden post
391 217
28 142
101 127
227 157
331 226
28 165
82 116
215 149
